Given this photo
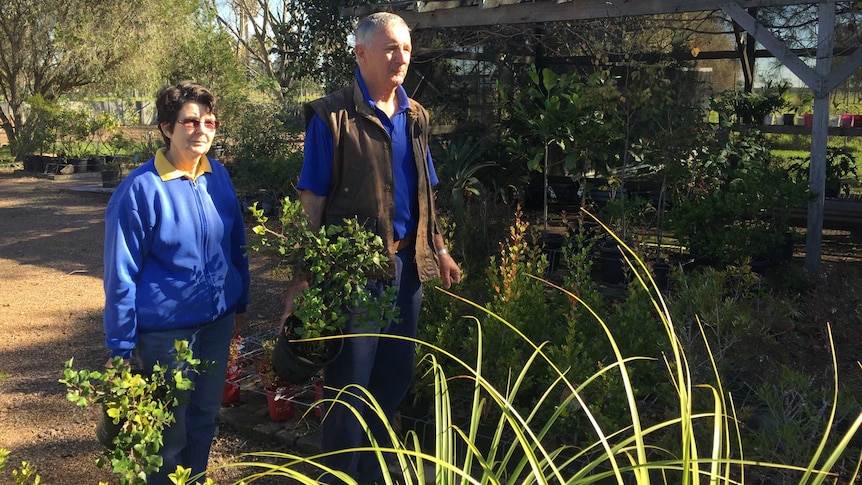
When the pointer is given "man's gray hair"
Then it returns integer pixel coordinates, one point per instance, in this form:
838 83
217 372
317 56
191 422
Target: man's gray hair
372 23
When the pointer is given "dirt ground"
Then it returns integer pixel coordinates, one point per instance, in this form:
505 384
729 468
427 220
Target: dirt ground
51 301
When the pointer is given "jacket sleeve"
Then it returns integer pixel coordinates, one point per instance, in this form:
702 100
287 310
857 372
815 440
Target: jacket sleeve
239 256
123 256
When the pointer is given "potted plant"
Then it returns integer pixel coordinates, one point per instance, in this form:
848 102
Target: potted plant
80 134
111 171
840 170
337 261
137 408
234 371
278 391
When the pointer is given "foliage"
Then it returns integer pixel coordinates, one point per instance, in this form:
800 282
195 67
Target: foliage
841 170
79 132
51 48
751 108
460 162
516 298
338 261
269 377
39 134
729 198
23 475
140 404
714 311
792 412
263 151
210 59
699 440
288 41
563 117
472 198
233 354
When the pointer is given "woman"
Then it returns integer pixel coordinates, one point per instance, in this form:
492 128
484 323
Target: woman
176 267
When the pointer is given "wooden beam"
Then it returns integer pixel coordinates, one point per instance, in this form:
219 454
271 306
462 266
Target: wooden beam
678 56
450 13
843 70
778 48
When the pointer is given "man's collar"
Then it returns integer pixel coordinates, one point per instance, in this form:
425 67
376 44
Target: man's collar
400 93
167 171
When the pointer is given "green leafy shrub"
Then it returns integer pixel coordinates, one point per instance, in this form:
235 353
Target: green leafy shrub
698 440
714 311
139 404
751 108
39 134
516 298
263 151
842 173
790 413
338 260
80 132
729 200
22 475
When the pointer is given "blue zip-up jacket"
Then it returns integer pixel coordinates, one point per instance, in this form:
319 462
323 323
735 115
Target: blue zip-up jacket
175 252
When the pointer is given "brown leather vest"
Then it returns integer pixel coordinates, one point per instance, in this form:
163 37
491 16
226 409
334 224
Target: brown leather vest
362 177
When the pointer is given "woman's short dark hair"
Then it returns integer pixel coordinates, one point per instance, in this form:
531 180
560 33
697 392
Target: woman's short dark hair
171 99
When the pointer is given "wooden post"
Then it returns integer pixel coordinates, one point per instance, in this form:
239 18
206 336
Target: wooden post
819 136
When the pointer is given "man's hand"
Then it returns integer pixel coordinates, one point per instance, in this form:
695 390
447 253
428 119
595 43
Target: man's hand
449 271
294 287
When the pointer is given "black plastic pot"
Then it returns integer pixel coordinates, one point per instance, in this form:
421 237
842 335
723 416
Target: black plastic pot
552 247
613 265
110 178
106 430
289 361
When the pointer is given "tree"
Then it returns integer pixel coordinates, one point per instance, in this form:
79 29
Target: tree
286 41
49 48
796 26
209 59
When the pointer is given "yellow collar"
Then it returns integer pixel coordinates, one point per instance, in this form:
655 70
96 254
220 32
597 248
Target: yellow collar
168 172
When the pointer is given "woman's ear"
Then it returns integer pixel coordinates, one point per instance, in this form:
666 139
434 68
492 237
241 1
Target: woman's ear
164 130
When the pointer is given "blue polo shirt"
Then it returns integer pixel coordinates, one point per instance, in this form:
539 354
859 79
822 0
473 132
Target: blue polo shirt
318 154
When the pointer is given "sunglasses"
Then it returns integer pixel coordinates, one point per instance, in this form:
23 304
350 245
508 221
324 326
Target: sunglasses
192 124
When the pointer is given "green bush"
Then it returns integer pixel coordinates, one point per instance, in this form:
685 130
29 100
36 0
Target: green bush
140 404
842 173
731 201
699 439
22 475
263 151
338 260
790 413
39 134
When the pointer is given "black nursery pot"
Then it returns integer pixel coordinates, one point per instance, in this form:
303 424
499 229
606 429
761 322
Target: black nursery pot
288 360
106 430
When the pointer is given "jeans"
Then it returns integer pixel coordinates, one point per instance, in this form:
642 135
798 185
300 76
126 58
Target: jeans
187 441
383 366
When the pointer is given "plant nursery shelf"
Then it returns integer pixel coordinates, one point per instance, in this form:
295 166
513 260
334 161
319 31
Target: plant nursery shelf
806 130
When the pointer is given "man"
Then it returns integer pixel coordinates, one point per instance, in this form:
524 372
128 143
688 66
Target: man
366 156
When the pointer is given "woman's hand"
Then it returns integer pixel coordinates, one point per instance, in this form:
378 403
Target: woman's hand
240 322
